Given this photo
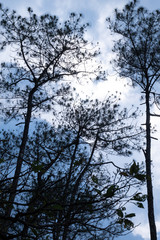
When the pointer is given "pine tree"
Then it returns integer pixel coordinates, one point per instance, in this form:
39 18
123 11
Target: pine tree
138 59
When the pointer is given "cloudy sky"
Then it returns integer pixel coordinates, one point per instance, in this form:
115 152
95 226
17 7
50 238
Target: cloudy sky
95 12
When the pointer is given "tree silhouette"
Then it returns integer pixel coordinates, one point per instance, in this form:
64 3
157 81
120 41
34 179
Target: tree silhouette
138 59
55 182
46 53
65 189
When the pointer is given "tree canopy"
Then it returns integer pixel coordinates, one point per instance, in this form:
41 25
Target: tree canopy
58 179
137 52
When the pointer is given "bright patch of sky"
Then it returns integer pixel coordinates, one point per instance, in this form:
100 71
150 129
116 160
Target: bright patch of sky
95 12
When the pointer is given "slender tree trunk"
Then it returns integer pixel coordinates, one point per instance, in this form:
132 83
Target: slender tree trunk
151 217
21 153
65 232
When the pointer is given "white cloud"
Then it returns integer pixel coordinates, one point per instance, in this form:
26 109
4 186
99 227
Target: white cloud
143 230
21 6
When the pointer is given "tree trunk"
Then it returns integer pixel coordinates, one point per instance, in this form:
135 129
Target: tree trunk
151 217
21 153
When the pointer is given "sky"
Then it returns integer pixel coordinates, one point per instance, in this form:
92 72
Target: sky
95 12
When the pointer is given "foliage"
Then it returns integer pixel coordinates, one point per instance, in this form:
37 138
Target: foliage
55 181
65 189
138 47
137 58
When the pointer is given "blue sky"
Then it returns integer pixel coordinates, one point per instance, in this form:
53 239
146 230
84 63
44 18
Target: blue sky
95 12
